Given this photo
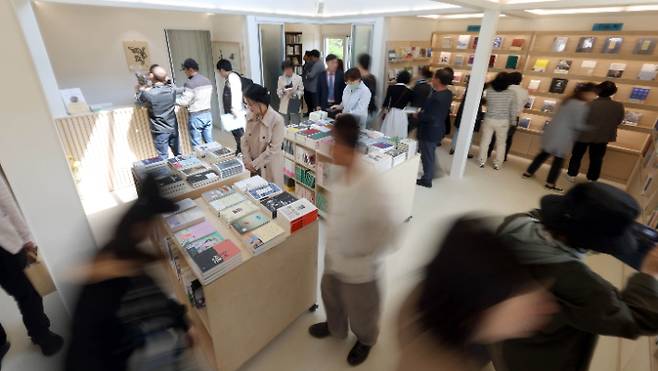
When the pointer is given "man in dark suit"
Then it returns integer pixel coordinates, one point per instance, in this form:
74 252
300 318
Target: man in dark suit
331 84
431 127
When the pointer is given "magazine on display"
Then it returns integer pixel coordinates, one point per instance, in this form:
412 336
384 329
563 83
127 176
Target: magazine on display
632 118
563 66
645 46
446 43
444 57
616 70
463 41
471 59
498 42
588 66
512 62
558 86
540 65
586 45
648 72
492 60
560 44
530 102
533 85
612 45
549 106
459 59
517 44
524 122
203 179
639 94
474 42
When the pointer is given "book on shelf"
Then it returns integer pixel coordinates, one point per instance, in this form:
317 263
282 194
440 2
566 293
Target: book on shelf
524 122
194 232
429 52
444 57
392 55
612 45
530 102
616 70
235 212
459 60
644 46
250 222
563 66
648 72
632 118
512 62
588 66
263 238
184 219
276 202
560 44
517 44
540 65
498 42
225 202
446 42
457 77
203 179
549 106
463 41
471 59
558 86
216 194
533 85
492 60
639 94
422 53
586 45
474 42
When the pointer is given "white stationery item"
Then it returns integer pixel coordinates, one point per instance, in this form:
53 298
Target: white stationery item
231 122
74 101
318 115
251 183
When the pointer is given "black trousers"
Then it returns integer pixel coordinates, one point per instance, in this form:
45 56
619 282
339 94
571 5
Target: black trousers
237 135
508 142
14 281
596 154
556 166
311 99
428 158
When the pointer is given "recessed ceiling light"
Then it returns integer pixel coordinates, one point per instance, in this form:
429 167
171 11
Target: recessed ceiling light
609 9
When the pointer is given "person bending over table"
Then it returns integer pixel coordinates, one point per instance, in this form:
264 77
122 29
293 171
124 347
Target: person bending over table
356 97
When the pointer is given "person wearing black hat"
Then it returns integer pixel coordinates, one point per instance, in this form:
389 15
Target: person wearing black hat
121 309
552 242
605 115
263 138
197 97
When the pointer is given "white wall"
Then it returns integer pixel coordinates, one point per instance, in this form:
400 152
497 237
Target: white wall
85 43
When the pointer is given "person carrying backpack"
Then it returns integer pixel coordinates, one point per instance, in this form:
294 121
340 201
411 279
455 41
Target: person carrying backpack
232 86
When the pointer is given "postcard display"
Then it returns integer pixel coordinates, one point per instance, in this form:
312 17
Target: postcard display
553 64
237 246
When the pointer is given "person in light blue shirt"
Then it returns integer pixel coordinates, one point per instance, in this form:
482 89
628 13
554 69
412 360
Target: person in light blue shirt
356 97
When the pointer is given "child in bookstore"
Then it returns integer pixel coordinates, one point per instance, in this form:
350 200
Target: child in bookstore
359 228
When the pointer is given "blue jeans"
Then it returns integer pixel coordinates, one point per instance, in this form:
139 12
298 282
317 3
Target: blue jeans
164 141
200 125
428 158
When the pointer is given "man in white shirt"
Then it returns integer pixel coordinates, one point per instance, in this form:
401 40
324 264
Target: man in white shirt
359 229
15 242
231 100
515 79
197 97
356 97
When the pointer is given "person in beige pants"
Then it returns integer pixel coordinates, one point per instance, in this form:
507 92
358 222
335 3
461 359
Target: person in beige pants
501 112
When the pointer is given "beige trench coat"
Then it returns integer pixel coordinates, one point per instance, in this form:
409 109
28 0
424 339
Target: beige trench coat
262 145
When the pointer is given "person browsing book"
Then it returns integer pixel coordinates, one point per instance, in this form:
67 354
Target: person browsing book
263 140
290 89
501 113
521 98
356 97
331 84
398 96
231 101
197 98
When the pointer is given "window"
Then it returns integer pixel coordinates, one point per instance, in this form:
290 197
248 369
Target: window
335 45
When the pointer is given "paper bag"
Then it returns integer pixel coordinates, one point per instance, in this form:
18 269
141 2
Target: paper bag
38 274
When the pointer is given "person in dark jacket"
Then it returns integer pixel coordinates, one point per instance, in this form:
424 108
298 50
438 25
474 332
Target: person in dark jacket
363 64
398 96
331 84
160 100
551 242
431 127
421 91
311 79
605 115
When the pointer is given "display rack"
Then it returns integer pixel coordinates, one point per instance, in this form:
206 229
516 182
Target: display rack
406 55
294 50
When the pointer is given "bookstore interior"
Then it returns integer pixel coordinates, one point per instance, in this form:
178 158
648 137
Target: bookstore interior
237 233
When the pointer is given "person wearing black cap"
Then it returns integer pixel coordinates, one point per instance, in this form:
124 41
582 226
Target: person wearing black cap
197 97
552 242
263 139
605 115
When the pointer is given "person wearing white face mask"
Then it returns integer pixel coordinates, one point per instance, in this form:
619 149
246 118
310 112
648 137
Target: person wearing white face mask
356 97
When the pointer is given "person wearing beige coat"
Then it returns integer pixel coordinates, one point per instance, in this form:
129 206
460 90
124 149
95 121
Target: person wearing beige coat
290 90
263 138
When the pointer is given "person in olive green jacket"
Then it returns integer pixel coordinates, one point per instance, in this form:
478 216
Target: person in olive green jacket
552 243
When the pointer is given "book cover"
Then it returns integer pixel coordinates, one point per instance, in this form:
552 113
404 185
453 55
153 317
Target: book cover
644 46
235 212
512 62
226 202
216 194
588 66
632 118
463 41
195 232
524 122
639 94
558 86
530 102
268 232
648 72
444 58
184 204
559 44
533 85
471 58
193 170
274 203
474 43
168 180
250 222
203 178
549 105
446 43
586 45
207 260
202 244
265 192
227 250
459 60
540 65
563 66
498 42
612 45
492 60
616 70
517 44
185 219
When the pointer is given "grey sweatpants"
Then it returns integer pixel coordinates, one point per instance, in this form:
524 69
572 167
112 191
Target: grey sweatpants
356 305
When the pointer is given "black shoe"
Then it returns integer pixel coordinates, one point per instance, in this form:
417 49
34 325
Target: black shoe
424 183
527 175
470 155
319 330
50 343
553 187
358 354
452 152
3 351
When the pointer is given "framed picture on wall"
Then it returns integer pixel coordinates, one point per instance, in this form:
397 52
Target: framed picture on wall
138 55
228 50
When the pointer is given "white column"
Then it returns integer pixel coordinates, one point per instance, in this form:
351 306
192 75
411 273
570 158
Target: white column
380 34
475 85
34 162
253 46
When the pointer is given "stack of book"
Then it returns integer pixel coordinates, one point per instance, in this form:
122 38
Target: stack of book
237 211
250 183
183 162
203 179
216 194
202 150
171 185
229 167
264 192
263 238
184 217
212 256
378 161
223 203
274 203
298 214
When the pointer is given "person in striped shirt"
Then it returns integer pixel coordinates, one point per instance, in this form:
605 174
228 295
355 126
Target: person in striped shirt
501 113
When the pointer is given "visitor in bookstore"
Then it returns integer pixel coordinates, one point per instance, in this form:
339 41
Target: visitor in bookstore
453 90
341 65
359 229
263 140
197 96
501 113
446 323
160 101
331 85
604 118
431 124
311 79
363 64
17 249
552 243
398 96
458 120
559 137
121 312
232 101
306 67
421 91
290 90
356 97
521 98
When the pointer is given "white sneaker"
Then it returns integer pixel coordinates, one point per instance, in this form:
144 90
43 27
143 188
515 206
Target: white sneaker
571 179
481 165
496 167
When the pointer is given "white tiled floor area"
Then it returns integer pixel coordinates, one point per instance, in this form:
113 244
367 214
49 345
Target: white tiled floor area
482 190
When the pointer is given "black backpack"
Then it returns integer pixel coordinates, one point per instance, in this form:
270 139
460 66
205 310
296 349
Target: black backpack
245 81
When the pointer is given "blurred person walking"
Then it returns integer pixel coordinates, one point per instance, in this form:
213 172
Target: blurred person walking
501 113
398 96
359 229
290 89
197 96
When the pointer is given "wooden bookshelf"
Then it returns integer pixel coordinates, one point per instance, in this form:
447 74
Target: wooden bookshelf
407 55
294 51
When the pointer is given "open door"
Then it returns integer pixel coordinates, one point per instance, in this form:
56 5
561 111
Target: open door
272 46
360 41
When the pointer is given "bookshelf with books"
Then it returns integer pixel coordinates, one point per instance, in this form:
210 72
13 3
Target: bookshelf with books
294 50
406 55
